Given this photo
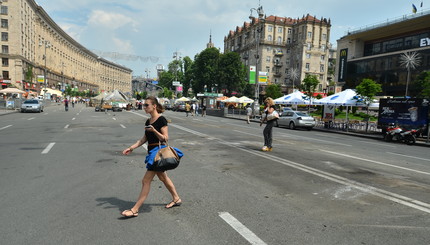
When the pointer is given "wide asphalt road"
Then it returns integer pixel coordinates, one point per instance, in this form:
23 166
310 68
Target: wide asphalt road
64 180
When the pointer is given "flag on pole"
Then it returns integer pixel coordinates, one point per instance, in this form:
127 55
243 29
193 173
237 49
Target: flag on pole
414 9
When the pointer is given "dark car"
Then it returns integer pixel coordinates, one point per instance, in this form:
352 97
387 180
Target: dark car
32 105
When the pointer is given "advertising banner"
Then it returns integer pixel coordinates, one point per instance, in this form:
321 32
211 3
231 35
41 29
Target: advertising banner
342 64
41 79
262 77
252 70
409 113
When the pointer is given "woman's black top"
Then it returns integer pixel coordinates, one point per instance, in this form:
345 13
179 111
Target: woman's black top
150 136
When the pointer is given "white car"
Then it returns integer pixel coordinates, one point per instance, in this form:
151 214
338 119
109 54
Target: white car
296 119
33 105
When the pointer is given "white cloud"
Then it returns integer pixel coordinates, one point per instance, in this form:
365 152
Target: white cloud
103 19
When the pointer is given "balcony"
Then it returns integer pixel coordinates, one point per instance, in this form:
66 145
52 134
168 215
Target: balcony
277 74
278 63
278 52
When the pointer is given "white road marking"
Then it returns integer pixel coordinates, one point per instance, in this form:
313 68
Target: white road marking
67 126
77 114
373 143
73 118
114 118
5 127
409 202
241 229
376 162
48 148
122 126
419 158
31 118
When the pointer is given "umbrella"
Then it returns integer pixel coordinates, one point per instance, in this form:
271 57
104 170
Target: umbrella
183 99
116 96
232 99
245 100
11 91
295 98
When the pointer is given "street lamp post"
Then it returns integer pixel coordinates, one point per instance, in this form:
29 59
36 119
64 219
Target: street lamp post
259 29
46 44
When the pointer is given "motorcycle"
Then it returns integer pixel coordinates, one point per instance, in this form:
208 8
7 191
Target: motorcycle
396 133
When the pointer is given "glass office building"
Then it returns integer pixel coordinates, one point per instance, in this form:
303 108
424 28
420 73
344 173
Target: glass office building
375 52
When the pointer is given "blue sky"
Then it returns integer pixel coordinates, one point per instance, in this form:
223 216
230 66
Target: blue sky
158 28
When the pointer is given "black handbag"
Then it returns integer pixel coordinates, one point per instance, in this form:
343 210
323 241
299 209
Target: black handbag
167 158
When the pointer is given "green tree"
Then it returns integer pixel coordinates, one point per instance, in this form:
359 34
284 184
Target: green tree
423 82
231 73
166 93
366 91
309 86
206 70
188 74
273 91
165 79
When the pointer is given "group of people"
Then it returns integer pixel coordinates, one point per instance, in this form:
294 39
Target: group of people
156 133
194 109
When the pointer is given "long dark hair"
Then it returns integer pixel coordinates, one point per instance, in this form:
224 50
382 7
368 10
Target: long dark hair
154 100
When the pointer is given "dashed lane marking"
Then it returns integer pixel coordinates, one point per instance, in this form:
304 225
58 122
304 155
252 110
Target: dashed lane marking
48 148
241 229
73 118
31 118
5 127
67 126
419 158
122 126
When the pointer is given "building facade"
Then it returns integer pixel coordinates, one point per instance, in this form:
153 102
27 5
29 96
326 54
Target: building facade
375 52
288 49
35 47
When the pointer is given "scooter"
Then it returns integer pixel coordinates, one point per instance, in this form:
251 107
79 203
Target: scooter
396 133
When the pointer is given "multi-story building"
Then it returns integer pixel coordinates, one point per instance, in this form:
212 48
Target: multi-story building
289 49
375 52
32 44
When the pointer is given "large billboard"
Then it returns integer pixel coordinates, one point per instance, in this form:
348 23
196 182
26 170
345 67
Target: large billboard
408 113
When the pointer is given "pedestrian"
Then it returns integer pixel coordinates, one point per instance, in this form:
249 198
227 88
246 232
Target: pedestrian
248 113
193 109
197 109
187 108
66 104
270 116
203 110
156 132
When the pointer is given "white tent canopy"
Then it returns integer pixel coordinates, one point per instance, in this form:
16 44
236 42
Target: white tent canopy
232 99
347 97
116 96
245 100
295 98
11 91
183 99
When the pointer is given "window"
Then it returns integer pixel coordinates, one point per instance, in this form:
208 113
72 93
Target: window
321 68
268 58
308 66
279 29
5 62
269 28
267 68
4 36
308 56
288 51
5 49
324 36
309 46
323 47
279 42
287 71
321 77
288 40
6 75
3 10
309 34
289 30
269 38
4 23
322 57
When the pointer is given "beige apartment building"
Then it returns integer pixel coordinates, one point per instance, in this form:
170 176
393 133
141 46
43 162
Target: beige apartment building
288 49
32 44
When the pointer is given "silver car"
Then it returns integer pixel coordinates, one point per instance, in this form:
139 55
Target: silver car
32 105
296 119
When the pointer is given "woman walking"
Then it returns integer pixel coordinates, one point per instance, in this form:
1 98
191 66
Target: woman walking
269 108
156 132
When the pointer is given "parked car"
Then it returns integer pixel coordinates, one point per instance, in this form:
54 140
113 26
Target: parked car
179 107
33 105
168 106
296 119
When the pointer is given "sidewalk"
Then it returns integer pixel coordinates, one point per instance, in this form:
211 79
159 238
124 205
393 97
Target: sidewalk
5 112
375 136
